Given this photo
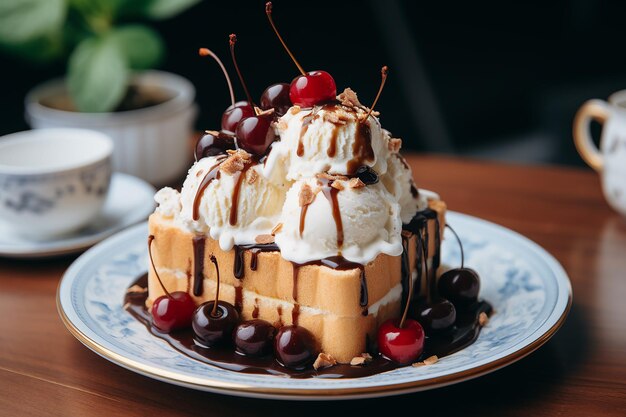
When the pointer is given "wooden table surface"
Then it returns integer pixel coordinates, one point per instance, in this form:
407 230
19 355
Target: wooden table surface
580 372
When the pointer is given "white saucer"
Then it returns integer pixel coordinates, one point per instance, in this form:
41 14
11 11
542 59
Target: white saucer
130 201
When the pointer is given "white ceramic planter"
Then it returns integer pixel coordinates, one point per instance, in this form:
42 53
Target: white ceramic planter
150 143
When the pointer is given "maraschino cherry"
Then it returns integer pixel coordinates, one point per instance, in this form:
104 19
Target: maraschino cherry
276 97
254 133
214 143
254 337
236 111
309 88
174 309
213 322
295 347
459 285
402 340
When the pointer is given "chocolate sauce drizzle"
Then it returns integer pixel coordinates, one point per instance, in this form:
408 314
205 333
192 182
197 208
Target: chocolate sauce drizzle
254 249
331 195
239 177
213 173
464 333
198 242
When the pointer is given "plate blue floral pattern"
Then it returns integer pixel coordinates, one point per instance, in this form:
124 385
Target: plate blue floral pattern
529 290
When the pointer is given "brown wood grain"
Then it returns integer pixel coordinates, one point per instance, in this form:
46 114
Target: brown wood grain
580 372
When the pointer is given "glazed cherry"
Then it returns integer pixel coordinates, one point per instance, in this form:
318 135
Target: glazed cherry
255 134
214 143
234 114
173 311
276 97
460 286
401 344
367 175
254 337
295 347
309 88
214 326
436 315
313 88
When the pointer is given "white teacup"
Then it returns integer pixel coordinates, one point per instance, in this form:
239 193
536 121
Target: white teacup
610 159
53 181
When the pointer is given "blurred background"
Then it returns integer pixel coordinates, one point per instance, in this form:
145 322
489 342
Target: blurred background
495 80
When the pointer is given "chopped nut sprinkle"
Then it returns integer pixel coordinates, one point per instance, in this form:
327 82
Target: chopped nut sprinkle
331 177
356 183
306 195
324 360
394 145
349 98
483 319
264 239
136 289
338 185
294 109
235 162
428 361
252 176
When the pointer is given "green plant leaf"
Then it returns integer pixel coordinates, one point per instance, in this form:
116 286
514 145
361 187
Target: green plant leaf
24 20
164 9
142 46
97 75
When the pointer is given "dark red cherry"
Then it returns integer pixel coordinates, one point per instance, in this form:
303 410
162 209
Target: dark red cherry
460 286
254 337
367 175
234 114
214 143
313 88
212 329
401 344
173 311
435 316
255 134
295 347
276 97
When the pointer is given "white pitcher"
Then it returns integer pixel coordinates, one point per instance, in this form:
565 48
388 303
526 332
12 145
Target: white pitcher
610 160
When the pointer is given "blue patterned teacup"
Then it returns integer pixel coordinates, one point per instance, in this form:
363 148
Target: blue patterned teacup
53 181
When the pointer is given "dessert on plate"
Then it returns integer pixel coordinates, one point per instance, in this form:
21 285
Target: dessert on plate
299 237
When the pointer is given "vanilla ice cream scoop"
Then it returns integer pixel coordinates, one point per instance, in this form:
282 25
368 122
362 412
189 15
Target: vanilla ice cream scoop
330 138
236 206
322 220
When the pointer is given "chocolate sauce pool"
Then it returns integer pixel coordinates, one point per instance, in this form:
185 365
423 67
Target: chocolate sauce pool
460 336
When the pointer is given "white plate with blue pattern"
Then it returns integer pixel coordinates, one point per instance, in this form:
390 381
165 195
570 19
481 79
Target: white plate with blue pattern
529 290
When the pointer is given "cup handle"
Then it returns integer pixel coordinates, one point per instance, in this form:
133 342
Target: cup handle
596 110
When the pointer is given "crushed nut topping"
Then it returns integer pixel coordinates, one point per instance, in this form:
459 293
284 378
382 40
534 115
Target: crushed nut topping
261 112
356 183
394 145
136 289
277 229
349 98
264 239
335 118
235 162
324 360
364 359
331 177
294 109
306 195
338 185
428 361
252 176
483 319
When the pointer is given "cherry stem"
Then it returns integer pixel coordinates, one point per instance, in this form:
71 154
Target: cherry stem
460 244
383 73
217 291
208 52
408 301
232 39
268 12
150 240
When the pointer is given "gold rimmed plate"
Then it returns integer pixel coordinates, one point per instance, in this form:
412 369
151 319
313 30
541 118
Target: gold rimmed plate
529 290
